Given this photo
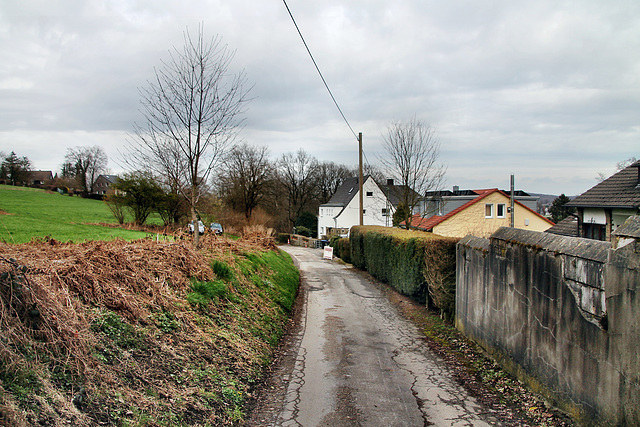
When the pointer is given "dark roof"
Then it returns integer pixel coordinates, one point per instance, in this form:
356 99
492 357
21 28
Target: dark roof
449 193
620 190
630 228
566 227
394 193
516 193
111 178
40 175
345 192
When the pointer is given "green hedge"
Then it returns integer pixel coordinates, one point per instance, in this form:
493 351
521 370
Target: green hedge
283 238
341 248
420 265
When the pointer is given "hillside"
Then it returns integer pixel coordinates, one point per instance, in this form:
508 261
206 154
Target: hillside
138 333
29 212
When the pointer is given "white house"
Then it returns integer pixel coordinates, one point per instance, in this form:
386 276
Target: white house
343 210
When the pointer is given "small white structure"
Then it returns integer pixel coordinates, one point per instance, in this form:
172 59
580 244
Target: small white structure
343 210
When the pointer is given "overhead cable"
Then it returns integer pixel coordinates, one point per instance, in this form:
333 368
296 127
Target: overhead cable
318 68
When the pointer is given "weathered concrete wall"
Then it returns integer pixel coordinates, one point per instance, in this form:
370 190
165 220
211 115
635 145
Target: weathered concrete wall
560 312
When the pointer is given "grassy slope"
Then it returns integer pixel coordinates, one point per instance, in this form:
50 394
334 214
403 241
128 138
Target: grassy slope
130 333
36 213
138 334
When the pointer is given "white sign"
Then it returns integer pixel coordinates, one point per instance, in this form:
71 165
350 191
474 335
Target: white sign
328 252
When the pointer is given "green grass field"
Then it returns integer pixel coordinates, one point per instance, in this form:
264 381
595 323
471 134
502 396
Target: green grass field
30 212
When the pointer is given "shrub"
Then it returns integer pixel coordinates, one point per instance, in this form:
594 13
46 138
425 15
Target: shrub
440 275
206 292
304 231
420 265
282 238
341 248
222 270
344 249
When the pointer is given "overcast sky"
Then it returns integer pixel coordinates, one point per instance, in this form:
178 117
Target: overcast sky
547 90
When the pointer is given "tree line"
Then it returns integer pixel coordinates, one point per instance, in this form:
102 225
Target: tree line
188 163
80 169
247 187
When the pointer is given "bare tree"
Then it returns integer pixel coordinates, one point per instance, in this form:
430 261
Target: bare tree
623 164
245 179
330 177
298 177
412 160
87 164
193 111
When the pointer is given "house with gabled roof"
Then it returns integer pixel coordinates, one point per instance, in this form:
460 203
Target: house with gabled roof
39 178
342 211
605 207
483 213
103 184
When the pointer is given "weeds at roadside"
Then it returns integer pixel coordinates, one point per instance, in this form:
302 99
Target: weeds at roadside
477 371
147 333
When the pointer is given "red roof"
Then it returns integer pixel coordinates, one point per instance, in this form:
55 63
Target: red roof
427 224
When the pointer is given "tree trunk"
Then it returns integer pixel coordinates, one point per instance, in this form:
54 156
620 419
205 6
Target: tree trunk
194 218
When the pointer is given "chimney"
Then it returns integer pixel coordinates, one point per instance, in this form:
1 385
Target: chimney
390 182
456 188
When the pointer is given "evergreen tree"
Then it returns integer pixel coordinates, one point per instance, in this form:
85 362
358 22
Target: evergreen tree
559 210
401 214
15 170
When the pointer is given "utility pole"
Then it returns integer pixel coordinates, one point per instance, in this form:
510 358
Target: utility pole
513 212
360 178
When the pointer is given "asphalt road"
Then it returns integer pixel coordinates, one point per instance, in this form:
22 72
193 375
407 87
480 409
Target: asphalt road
352 360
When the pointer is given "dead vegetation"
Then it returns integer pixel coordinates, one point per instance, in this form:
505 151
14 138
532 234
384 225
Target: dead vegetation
135 333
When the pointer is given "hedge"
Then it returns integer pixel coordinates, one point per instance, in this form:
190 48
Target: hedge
341 248
418 264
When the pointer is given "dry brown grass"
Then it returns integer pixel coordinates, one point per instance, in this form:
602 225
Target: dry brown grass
108 323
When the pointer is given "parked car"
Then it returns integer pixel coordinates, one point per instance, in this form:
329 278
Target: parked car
200 227
216 228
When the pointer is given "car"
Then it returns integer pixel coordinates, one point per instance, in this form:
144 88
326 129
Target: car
215 228
200 227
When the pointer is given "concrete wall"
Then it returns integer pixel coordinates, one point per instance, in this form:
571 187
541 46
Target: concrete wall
559 312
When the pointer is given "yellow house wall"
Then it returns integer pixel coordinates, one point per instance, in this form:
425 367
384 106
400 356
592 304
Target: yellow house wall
472 219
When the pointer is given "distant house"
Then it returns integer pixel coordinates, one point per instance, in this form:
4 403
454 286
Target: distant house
103 184
444 201
605 207
480 213
38 178
342 211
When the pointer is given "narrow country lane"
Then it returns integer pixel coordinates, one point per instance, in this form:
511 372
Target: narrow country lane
354 361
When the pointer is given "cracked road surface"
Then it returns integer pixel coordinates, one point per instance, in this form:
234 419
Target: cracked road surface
353 361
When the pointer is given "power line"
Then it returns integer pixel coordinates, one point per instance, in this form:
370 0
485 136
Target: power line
318 69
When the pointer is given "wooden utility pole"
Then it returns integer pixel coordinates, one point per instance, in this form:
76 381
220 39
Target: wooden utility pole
513 212
360 178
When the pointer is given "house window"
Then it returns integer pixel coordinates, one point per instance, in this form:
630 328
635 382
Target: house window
501 210
488 210
369 193
364 211
385 212
594 231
